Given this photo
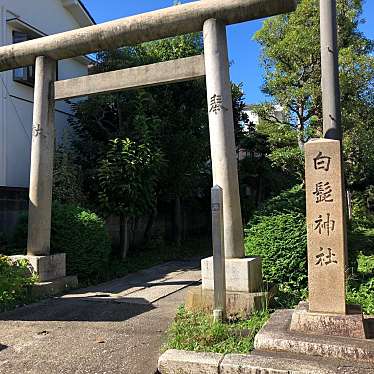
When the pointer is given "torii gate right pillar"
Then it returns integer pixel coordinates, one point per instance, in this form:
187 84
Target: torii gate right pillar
243 275
222 138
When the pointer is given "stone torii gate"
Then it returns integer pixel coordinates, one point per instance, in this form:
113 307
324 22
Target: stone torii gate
209 16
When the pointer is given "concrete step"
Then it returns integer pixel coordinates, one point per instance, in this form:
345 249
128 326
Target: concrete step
276 336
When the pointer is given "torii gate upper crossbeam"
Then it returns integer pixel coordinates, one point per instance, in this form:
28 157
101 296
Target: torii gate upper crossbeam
172 21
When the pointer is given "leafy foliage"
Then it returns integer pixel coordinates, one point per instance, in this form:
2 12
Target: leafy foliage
287 202
160 117
198 332
360 288
80 234
363 219
361 282
291 57
280 240
67 180
15 278
127 177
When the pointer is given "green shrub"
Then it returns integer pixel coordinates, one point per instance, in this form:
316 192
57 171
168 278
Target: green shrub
362 218
80 234
281 242
289 201
360 243
362 293
361 281
14 279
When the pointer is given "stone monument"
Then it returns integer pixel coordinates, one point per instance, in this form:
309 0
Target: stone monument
326 312
324 326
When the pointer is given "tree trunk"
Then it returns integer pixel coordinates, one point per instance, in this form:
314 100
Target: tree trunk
149 227
134 229
259 191
300 130
300 138
123 236
178 220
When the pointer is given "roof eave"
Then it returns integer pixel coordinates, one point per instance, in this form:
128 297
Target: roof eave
79 12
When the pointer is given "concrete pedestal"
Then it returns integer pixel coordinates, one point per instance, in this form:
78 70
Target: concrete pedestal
54 287
51 271
277 338
242 274
238 304
244 287
346 325
46 267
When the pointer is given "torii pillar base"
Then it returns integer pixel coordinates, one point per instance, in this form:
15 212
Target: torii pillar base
51 273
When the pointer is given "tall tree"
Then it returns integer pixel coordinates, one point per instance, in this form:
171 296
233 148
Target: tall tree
291 58
171 119
127 178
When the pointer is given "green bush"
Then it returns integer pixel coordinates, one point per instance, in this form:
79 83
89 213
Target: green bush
362 218
289 201
361 279
362 293
14 279
80 234
281 242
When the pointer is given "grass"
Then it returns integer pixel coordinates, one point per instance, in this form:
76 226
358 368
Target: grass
198 332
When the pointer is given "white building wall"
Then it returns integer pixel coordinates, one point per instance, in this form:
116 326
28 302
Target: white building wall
2 104
16 101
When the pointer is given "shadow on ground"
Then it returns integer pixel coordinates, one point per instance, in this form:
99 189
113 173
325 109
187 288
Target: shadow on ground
369 327
113 301
78 310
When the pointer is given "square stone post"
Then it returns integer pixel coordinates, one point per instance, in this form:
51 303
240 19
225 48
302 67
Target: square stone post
222 138
42 149
326 223
327 312
219 311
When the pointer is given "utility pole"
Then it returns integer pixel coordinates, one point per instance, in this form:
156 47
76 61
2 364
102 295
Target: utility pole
330 71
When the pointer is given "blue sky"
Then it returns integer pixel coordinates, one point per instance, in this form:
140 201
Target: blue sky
244 52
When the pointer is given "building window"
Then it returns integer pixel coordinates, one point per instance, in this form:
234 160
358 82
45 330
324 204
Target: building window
24 75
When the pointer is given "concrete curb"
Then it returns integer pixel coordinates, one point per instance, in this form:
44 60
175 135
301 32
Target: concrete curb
187 362
174 361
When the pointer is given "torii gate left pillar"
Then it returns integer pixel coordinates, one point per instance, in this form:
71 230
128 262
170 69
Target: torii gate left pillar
51 269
